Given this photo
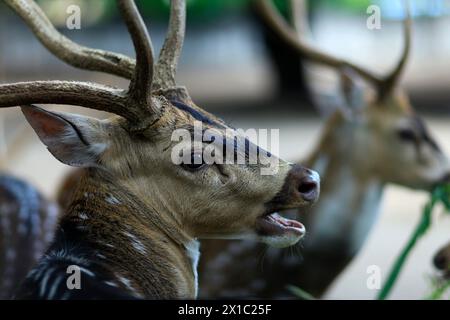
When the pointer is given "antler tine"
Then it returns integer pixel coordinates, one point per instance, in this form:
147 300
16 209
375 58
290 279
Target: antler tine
141 83
65 49
391 80
88 95
299 16
166 66
133 104
278 23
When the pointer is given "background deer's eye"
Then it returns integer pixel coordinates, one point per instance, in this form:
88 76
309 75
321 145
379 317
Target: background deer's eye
406 134
196 162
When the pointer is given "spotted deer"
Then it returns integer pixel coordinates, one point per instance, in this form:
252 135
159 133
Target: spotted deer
132 225
375 139
27 222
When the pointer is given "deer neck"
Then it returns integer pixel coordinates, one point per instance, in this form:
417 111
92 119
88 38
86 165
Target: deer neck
144 251
350 195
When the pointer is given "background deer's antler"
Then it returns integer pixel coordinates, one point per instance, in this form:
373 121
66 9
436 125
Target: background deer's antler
292 37
392 79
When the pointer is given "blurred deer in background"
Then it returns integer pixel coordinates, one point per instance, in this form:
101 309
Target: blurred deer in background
131 227
27 225
27 222
374 140
441 261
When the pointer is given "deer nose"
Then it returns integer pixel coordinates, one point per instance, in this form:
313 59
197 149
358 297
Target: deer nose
440 262
308 184
301 188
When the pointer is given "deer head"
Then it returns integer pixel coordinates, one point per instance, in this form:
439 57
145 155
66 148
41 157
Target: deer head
385 137
373 139
134 146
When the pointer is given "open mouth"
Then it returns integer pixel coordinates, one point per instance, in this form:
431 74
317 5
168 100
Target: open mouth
279 231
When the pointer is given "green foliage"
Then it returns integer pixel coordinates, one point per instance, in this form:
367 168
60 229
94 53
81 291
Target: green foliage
440 195
300 293
439 288
198 9
208 10
352 5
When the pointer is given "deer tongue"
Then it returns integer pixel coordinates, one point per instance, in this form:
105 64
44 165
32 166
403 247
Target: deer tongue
275 225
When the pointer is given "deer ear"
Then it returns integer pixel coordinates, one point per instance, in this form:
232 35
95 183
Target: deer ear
73 139
351 90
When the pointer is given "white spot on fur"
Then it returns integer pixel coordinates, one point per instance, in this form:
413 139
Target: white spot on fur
136 243
88 272
63 255
43 286
110 283
54 287
83 216
107 244
112 200
126 282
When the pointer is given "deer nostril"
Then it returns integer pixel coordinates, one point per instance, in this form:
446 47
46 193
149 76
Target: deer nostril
440 262
308 188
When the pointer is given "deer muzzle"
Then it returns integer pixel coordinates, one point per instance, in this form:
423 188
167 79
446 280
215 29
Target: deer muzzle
300 190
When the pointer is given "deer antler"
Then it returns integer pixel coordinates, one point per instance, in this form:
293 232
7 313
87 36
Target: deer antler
289 34
166 66
135 104
299 14
141 81
89 95
278 23
106 61
391 80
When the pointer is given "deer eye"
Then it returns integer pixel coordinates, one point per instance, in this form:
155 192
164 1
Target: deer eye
196 162
406 134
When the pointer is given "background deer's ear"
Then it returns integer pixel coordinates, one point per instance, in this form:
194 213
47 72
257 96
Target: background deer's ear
73 139
351 89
